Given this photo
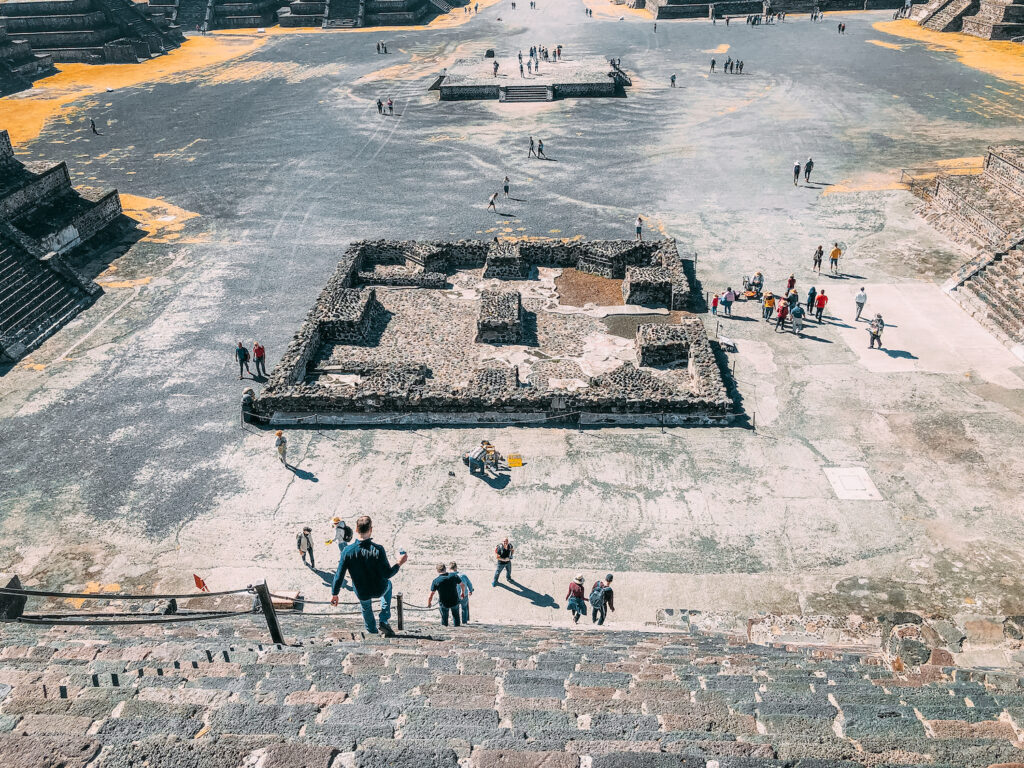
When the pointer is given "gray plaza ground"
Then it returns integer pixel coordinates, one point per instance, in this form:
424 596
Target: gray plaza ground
122 453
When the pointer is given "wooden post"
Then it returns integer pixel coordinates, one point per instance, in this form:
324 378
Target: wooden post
267 604
401 613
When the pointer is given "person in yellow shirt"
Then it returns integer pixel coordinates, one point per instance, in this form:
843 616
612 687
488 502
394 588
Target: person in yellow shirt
833 258
769 305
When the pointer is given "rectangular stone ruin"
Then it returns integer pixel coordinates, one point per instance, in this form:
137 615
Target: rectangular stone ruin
505 262
570 77
501 317
647 286
348 316
420 353
662 344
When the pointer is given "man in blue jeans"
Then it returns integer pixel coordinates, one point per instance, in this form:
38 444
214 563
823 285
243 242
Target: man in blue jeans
503 552
367 564
449 590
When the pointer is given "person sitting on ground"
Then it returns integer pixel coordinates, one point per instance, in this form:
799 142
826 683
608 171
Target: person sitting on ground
474 458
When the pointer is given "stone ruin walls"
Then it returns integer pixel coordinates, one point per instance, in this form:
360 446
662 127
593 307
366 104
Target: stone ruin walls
338 370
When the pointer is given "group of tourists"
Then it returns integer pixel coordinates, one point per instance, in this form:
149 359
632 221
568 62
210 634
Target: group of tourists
382 47
734 66
389 105
806 169
258 357
601 599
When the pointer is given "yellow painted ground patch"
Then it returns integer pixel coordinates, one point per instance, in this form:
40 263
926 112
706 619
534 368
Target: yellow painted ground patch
25 114
892 46
162 221
124 283
871 182
998 58
723 48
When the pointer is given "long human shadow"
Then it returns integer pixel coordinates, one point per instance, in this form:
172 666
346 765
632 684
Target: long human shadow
499 481
327 577
535 597
303 474
899 353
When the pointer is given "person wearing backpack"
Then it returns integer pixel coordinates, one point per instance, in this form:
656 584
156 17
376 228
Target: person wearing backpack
602 600
342 536
242 356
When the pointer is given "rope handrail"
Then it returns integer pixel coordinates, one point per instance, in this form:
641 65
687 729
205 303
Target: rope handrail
118 595
175 618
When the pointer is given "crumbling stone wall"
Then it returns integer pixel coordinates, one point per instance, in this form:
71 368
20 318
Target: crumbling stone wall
663 344
647 285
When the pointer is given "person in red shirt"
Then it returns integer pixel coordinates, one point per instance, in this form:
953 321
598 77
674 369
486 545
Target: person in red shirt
782 314
259 356
714 304
819 305
575 599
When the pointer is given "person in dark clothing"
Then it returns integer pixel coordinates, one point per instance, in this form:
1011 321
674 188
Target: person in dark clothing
92 125
367 563
602 599
504 553
448 588
242 355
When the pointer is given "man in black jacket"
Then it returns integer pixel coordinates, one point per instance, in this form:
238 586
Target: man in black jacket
449 590
367 563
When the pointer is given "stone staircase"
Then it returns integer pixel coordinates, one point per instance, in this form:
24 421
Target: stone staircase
949 18
983 209
344 14
996 20
19 65
483 696
514 93
35 299
91 31
303 13
191 14
994 295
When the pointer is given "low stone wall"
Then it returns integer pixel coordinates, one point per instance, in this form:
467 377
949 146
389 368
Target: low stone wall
647 285
577 90
981 224
52 182
501 318
1005 170
468 92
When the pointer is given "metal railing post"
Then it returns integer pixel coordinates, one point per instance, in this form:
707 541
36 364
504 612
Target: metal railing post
400 611
267 604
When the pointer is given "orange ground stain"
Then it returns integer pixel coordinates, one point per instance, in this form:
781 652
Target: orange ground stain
162 221
995 57
25 114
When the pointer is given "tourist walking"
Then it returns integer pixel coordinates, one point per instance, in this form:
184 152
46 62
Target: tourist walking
639 227
769 305
819 305
833 258
808 167
259 357
540 149
92 125
391 106
602 599
714 304
797 315
304 541
367 563
727 299
741 67
467 589
818 254
342 537
796 174
781 314
281 444
448 588
574 599
811 293
242 355
380 107
490 202
875 329
861 299
790 283
505 186
504 553
712 65
532 153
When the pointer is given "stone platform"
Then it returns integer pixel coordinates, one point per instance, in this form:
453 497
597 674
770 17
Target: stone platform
475 79
474 331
